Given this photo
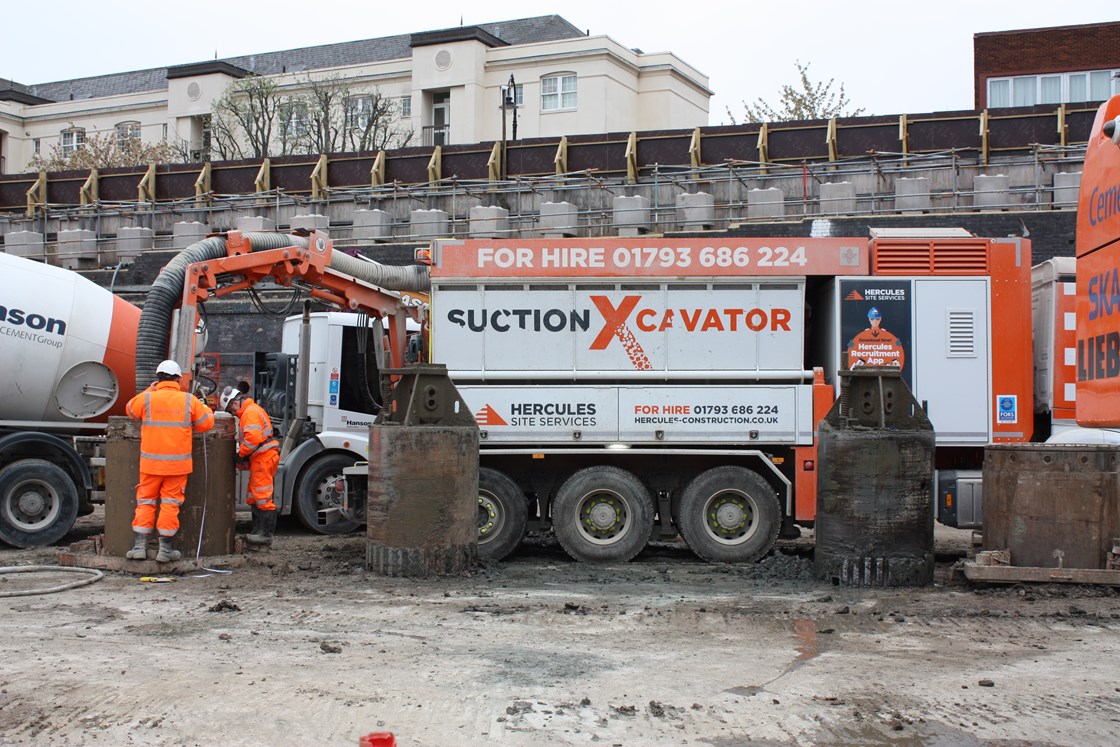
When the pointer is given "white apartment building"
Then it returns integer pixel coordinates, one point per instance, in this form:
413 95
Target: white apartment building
450 84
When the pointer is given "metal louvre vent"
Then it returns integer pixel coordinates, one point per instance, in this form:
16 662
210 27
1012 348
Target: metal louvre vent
962 333
925 257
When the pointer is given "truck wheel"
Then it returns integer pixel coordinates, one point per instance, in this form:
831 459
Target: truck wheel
729 515
38 503
320 490
602 515
503 513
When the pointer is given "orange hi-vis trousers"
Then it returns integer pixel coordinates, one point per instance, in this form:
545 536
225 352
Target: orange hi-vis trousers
262 470
168 491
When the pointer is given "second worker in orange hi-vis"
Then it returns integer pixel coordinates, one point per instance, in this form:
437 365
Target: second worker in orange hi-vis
168 419
263 452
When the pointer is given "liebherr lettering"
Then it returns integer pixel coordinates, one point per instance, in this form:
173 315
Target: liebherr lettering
1098 357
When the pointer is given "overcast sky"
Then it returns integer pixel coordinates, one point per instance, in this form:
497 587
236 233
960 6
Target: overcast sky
892 57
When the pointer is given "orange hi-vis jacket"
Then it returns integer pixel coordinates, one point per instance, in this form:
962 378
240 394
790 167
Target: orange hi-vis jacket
256 430
168 416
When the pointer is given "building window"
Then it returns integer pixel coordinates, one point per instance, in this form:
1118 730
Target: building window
1053 88
406 107
1024 90
293 121
1078 87
72 140
1099 84
359 112
35 145
1050 89
518 94
999 93
127 131
558 92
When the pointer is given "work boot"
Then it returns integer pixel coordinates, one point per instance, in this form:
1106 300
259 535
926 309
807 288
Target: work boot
166 554
139 549
267 527
256 528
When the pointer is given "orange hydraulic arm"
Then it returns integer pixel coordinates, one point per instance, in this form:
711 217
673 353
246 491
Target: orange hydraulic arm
309 266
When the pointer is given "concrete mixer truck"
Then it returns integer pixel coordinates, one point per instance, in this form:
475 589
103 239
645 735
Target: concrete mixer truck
71 355
67 362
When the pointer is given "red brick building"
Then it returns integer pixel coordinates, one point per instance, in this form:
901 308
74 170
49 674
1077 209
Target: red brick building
1063 64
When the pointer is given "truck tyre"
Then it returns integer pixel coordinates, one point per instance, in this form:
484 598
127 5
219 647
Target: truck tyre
319 490
38 503
602 515
503 513
729 515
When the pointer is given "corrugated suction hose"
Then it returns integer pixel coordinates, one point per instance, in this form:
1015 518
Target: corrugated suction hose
154 333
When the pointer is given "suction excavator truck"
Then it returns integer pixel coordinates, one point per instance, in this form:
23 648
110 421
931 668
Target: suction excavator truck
633 388
72 354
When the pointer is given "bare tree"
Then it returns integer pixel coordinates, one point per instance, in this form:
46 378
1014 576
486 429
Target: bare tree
106 150
806 100
254 118
376 124
332 115
243 117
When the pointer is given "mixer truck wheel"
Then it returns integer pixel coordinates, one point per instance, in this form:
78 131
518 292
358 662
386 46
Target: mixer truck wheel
38 503
319 496
602 515
729 515
503 513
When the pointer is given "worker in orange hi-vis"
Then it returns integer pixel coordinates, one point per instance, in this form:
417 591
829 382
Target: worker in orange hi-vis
168 417
263 454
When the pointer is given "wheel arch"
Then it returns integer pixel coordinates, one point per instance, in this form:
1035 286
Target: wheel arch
38 445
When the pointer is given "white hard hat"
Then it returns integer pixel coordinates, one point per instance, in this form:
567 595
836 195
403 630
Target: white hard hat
229 394
171 368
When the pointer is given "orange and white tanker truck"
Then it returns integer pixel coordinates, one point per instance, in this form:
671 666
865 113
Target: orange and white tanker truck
627 388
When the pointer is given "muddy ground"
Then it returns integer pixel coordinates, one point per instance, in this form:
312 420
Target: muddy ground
309 649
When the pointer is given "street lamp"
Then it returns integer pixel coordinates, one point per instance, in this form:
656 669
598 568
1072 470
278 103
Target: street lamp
509 101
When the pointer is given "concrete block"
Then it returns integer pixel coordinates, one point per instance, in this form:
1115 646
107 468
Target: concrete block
838 198
77 249
28 244
696 212
766 203
133 240
631 215
372 225
911 195
429 224
255 223
1067 187
991 191
489 222
184 233
558 220
311 222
